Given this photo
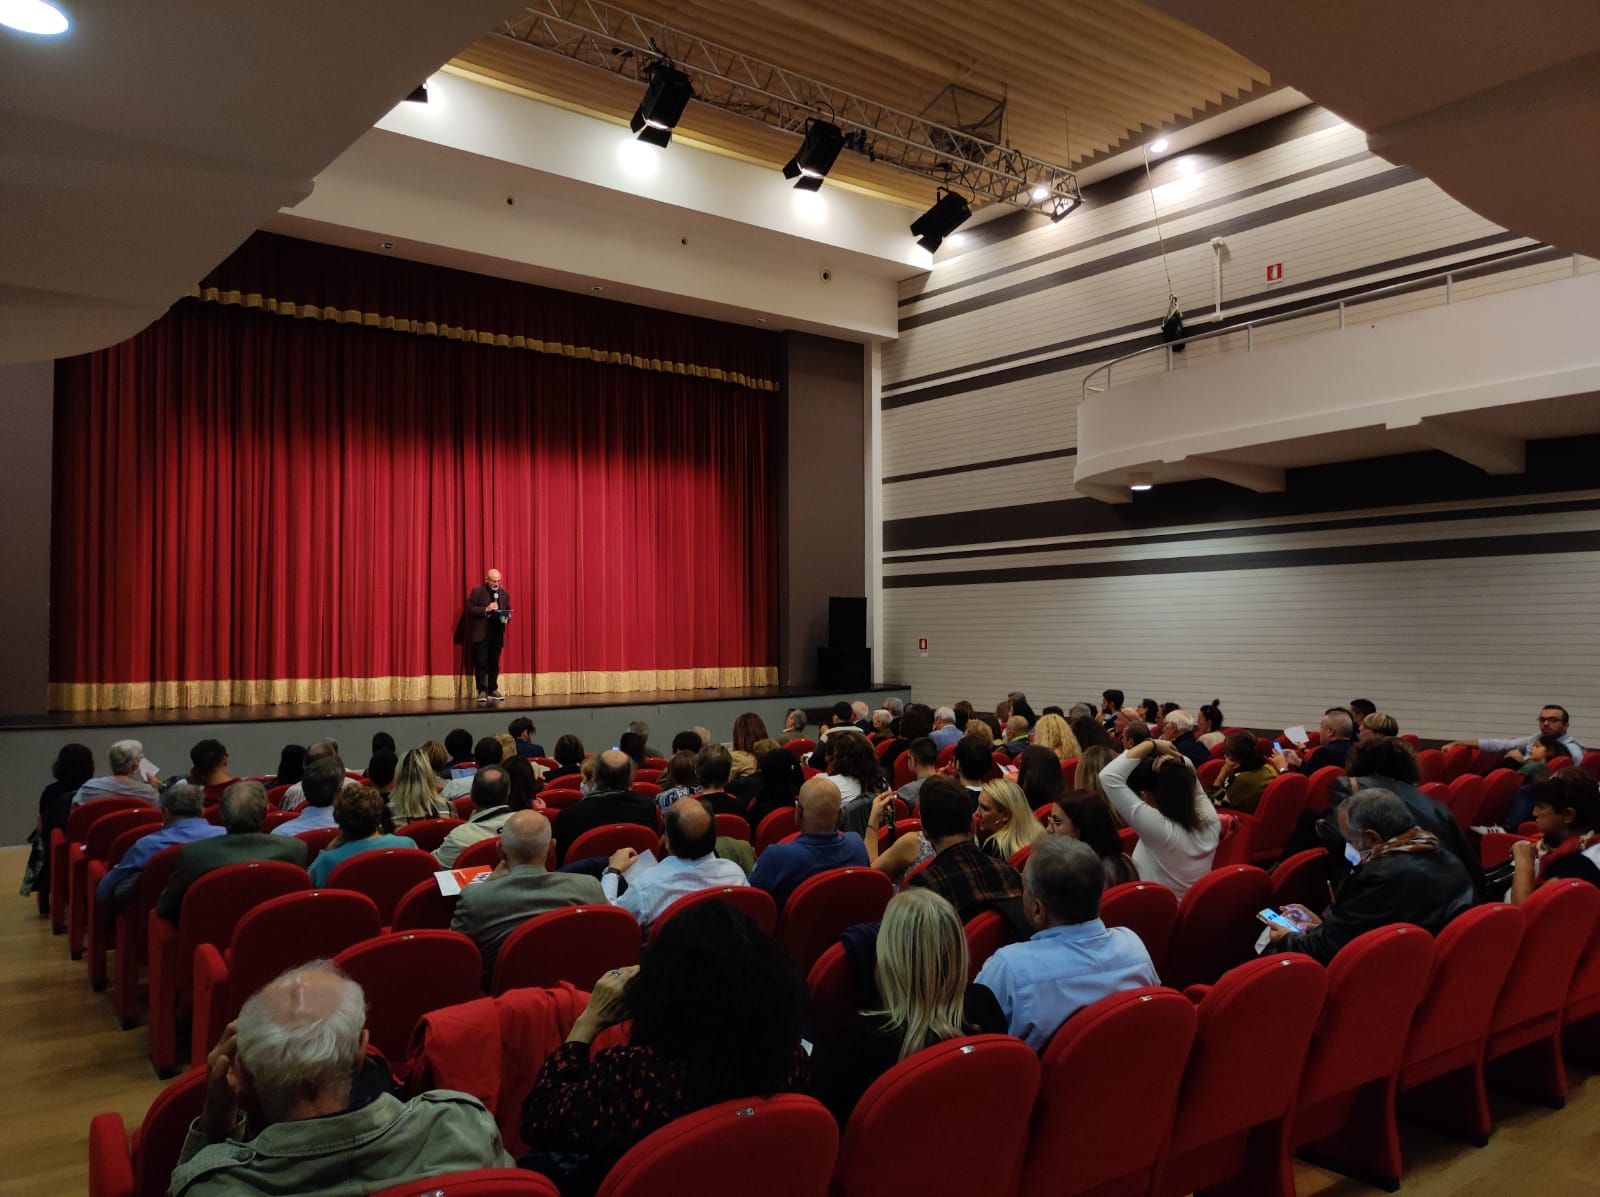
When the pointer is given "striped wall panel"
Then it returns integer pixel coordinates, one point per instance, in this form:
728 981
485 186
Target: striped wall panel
1458 602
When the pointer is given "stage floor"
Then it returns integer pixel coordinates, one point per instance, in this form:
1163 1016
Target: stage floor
368 710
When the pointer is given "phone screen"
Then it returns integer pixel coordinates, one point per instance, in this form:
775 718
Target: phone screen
1274 919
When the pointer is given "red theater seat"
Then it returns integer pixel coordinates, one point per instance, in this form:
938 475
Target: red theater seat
424 907
1216 927
579 944
428 834
143 1167
484 1182
406 975
603 841
1149 910
825 904
757 903
385 875
64 840
986 934
130 935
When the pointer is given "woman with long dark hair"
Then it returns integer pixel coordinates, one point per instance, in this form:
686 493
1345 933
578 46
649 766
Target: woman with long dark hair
1177 825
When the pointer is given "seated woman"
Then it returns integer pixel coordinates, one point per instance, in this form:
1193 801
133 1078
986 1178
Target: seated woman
1379 724
1090 733
1177 825
747 730
358 810
1006 824
1039 775
1053 733
979 726
1245 774
1087 818
1208 723
853 766
568 755
680 779
291 766
1087 779
923 999
416 792
781 779
900 858
1566 808
716 1009
633 746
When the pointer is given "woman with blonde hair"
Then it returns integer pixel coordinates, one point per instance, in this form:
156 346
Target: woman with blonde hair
981 730
1087 778
1052 732
416 790
1006 825
438 757
923 999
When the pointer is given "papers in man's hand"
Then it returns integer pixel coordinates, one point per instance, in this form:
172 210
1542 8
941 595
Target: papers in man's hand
453 881
1295 735
647 861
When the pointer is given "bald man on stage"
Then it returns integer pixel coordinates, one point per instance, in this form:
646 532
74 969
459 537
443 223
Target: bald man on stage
488 612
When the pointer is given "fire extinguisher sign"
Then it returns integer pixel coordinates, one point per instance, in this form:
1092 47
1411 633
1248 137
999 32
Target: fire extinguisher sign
1274 274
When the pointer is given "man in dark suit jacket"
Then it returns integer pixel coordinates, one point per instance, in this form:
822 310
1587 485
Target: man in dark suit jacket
609 802
488 608
244 810
518 889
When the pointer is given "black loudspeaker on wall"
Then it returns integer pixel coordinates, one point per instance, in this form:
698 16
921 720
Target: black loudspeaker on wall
847 622
844 668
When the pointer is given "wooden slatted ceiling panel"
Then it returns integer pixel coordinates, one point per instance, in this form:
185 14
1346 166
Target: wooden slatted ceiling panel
1082 77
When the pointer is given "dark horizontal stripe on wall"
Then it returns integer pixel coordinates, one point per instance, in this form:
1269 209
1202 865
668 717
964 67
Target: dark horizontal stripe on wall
1360 554
1554 466
1343 193
1103 352
1327 525
968 467
1241 143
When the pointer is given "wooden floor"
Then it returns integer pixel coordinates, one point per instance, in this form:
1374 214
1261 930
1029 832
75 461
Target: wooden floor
65 1059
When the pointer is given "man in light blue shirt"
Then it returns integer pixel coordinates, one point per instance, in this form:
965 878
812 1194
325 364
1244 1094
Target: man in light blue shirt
1552 722
691 837
321 784
183 822
1072 959
945 732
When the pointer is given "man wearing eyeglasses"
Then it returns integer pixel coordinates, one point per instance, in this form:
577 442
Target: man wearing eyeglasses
1552 722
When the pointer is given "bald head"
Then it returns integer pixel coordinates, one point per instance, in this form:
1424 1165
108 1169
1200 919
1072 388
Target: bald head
820 801
1016 727
613 771
525 839
691 828
302 1039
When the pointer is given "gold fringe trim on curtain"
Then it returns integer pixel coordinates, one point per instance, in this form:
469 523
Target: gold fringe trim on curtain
136 696
454 332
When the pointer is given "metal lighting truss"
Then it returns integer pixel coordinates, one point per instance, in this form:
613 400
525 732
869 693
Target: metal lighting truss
626 44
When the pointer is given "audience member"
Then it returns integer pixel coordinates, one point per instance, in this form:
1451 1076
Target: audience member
519 888
458 743
522 730
438 759
491 807
1553 720
781 778
291 766
1087 778
1245 773
323 780
922 999
208 762
381 771
1404 877
485 752
298 1054
716 1012
1016 736
416 792
182 822
1084 817
901 858
679 779
568 756
923 755
1178 729
974 763
508 747
794 726
74 765
1150 712
632 746
382 741
1053 733
1134 730
1334 731
853 766
704 735
124 780
1378 724
358 811
1039 775
1072 959
1006 824
1090 734
1566 808
1110 704
642 729
691 864
523 786
713 769
1360 708
1389 764
980 728
861 714
967 876
945 732
747 729
1208 724
244 810
688 741
319 750
1020 706
1177 825
896 709
821 845
964 711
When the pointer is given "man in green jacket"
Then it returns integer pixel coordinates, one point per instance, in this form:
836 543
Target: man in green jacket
295 1052
244 813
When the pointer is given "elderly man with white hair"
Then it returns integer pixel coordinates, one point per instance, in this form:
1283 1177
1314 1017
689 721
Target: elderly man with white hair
298 1053
945 731
124 780
1178 729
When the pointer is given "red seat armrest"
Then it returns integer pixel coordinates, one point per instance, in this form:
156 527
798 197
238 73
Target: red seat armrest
210 1001
110 1161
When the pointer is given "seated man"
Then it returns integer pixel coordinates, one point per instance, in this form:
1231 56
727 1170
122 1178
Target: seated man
973 761
1072 959
794 726
522 730
945 731
324 778
1404 877
821 845
125 780
713 768
182 822
294 797
691 865
244 810
358 812
610 801
922 756
882 727
492 806
964 874
518 889
1016 736
1566 808
1334 731
298 1053
485 752
1553 720
1178 729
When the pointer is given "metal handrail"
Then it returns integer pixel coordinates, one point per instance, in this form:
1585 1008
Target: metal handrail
1249 327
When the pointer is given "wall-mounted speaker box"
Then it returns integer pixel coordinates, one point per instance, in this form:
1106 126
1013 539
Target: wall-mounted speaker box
844 668
847 622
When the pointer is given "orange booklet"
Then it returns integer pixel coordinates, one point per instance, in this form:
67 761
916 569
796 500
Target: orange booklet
453 881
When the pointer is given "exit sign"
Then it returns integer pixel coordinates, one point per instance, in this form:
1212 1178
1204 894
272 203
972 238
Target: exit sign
1275 273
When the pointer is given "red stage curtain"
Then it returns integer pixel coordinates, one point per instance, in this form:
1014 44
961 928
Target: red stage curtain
257 509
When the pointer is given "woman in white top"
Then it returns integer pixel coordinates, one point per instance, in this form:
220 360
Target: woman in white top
1177 825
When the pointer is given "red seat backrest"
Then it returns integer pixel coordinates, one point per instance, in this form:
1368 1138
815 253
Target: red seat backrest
936 1090
217 901
1234 839
463 806
1319 787
567 781
832 989
1498 790
428 834
159 1139
801 746
823 905
579 944
105 830
483 852
986 934
645 789
1465 798
1069 773
293 929
946 755
647 774
1148 910
1140 1037
902 772
735 827
1303 880
82 818
1470 960
1276 816
1558 923
757 903
1430 764
1210 771
789 1142
1129 838
603 841
129 837
1216 927
1457 761
423 906
384 875
773 827
315 841
408 974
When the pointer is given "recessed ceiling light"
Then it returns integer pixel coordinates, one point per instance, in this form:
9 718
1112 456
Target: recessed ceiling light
1040 194
1158 146
386 245
761 319
33 16
596 287
1139 480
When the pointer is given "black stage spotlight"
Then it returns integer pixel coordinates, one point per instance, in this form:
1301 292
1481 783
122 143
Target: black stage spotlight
948 214
664 100
816 155
419 94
